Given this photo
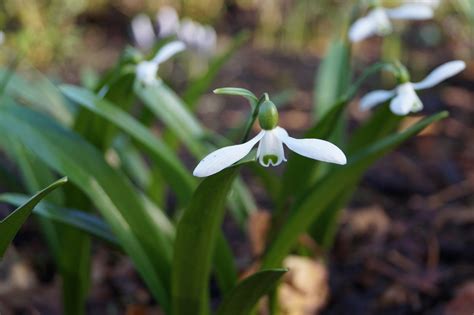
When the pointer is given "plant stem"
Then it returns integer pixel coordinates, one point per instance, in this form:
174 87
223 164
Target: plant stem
253 117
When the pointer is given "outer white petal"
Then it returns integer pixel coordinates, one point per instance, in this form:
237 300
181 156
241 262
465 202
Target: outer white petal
374 98
315 149
406 100
142 31
271 145
362 29
169 50
411 11
225 157
168 21
441 73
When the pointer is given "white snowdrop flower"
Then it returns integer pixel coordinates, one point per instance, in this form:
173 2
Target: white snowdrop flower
142 31
168 21
404 98
197 36
146 71
270 147
377 21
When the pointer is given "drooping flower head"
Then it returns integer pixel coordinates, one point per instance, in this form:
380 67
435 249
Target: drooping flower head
404 98
146 71
377 21
270 146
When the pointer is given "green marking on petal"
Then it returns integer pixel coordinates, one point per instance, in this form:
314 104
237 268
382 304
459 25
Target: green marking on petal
270 158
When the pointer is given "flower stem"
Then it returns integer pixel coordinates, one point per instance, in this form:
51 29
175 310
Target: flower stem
253 117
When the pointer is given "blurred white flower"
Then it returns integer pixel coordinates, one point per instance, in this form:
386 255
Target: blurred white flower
197 36
270 149
142 31
404 98
2 37
168 21
432 3
377 21
146 71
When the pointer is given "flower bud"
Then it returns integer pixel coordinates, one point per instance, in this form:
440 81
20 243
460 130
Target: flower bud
268 115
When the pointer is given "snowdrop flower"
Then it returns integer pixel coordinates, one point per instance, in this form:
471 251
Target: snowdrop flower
146 71
404 98
197 36
377 21
142 31
168 21
270 147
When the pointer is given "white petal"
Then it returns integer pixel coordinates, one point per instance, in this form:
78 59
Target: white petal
271 148
316 149
142 31
225 157
168 21
188 31
374 98
362 29
411 11
169 50
146 72
441 73
406 100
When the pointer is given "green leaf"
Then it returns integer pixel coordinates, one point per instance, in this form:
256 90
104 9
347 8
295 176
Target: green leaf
13 222
110 191
326 191
196 237
166 105
38 92
81 220
239 92
201 85
332 77
173 170
243 298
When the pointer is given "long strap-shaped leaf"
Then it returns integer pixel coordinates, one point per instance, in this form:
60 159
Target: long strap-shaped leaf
173 170
243 298
109 190
12 223
80 220
324 192
196 237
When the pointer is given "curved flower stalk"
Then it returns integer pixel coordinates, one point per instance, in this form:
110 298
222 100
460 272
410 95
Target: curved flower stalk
404 98
270 147
146 71
377 21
